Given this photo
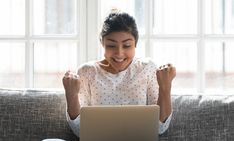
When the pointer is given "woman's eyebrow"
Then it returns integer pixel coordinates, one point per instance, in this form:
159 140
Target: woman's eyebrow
112 40
122 41
127 40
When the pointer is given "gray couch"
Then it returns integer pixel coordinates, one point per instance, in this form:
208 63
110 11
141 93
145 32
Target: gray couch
33 115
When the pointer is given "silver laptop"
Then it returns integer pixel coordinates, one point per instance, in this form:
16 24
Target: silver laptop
119 123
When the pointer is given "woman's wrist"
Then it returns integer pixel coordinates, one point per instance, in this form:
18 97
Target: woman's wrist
73 105
165 89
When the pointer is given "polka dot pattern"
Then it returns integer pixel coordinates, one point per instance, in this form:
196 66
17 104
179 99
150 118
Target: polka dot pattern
137 85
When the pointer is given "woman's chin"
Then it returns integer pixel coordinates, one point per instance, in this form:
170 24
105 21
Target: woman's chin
120 68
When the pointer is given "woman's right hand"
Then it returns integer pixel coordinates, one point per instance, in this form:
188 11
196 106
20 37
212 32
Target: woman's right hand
71 84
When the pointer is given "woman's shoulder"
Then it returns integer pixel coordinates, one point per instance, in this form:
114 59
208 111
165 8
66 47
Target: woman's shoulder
87 67
143 65
144 62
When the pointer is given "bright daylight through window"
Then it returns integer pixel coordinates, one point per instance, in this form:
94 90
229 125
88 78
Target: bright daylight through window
40 40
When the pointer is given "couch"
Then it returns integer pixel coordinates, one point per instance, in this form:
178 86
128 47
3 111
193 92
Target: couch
34 115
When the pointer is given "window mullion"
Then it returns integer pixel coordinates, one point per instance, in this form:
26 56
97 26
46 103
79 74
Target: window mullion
201 47
92 30
81 30
148 27
29 58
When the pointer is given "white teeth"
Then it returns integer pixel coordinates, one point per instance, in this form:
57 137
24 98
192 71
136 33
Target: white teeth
119 60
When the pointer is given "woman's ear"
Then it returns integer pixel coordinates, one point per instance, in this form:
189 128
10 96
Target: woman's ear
101 41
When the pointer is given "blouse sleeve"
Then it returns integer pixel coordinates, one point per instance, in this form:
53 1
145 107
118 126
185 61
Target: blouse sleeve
164 126
74 124
84 99
152 95
84 93
153 88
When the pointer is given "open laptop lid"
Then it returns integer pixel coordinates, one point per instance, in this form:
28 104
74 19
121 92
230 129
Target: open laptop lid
119 123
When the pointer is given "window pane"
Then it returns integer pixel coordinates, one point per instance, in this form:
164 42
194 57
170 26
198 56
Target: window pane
54 17
219 16
12 17
183 55
136 8
140 49
52 60
175 17
219 65
12 68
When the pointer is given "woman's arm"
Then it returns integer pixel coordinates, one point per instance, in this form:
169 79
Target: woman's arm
165 75
71 83
164 101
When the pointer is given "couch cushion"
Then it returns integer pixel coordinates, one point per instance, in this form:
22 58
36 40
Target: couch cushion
36 115
204 118
33 115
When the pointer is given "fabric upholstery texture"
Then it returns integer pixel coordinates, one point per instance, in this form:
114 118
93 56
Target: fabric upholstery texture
34 115
202 118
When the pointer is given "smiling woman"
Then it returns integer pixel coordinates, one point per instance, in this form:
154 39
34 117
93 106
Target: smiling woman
120 78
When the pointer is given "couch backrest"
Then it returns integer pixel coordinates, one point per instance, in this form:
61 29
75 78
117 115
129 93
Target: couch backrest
203 118
33 115
36 115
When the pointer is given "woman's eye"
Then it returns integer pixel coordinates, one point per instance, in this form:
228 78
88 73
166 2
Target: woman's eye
110 46
127 46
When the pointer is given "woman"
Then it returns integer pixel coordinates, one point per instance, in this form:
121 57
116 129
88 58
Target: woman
120 78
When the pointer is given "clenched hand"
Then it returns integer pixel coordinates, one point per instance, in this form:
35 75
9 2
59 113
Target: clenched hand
71 83
165 75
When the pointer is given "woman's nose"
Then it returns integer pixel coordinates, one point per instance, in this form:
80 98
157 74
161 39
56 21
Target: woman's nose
119 51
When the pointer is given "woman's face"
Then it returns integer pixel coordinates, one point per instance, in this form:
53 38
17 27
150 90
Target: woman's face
119 50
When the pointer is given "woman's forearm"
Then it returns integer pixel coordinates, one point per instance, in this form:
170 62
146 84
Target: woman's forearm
164 101
73 106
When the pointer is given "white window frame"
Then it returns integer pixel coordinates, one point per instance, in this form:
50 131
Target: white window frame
88 47
199 38
28 39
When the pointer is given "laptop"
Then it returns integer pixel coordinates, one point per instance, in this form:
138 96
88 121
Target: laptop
119 123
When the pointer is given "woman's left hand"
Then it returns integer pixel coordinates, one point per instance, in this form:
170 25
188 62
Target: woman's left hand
165 75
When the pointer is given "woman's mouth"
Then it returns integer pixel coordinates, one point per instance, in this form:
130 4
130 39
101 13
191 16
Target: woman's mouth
119 60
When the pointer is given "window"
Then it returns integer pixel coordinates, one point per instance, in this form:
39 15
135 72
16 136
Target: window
12 70
196 36
40 40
